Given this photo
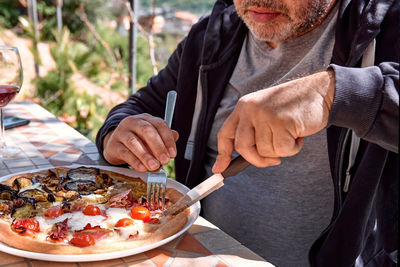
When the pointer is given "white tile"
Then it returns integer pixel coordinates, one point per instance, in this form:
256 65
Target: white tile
45 166
15 170
2 165
65 157
54 147
18 163
94 156
39 160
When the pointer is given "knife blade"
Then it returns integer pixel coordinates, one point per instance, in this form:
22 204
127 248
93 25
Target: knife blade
208 186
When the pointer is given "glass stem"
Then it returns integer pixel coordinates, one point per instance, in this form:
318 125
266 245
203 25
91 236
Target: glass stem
2 136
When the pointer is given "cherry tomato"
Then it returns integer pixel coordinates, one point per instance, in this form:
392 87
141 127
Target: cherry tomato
124 222
54 212
140 213
82 241
27 224
92 210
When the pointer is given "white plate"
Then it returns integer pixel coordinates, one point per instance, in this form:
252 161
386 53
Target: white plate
194 213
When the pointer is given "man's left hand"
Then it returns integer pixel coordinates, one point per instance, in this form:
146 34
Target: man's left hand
272 123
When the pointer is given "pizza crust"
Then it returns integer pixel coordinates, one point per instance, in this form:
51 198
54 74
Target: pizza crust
13 239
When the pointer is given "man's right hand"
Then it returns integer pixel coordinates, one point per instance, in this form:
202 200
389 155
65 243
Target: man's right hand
143 141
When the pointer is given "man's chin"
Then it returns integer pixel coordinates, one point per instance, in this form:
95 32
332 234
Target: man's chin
270 36
271 32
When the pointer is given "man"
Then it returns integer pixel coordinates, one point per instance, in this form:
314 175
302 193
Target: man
266 77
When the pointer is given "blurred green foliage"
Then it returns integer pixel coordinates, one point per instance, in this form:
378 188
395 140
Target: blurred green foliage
10 10
78 51
94 9
197 7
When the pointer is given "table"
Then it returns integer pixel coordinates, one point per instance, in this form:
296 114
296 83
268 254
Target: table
47 142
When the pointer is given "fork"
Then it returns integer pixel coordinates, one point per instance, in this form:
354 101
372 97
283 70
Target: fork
157 181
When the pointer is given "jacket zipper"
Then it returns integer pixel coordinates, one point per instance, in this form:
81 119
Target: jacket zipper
199 120
344 137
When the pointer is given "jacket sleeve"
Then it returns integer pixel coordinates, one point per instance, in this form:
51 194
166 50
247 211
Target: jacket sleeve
149 99
367 101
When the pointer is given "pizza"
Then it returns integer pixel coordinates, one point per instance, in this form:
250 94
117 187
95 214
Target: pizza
82 211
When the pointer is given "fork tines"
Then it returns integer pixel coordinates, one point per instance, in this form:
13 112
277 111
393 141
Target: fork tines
156 187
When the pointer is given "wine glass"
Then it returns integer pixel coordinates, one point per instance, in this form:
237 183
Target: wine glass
10 84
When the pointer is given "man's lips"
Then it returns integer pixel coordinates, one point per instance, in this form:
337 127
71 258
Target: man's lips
262 15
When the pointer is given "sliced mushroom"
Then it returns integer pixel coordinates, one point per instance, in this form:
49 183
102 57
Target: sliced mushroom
81 186
42 207
5 207
50 197
83 173
95 199
34 193
22 182
26 211
104 179
68 195
59 172
49 179
7 193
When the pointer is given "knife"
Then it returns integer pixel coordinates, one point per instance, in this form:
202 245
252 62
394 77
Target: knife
208 186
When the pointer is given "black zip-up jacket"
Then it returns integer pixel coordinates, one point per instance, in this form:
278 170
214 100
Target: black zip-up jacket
364 226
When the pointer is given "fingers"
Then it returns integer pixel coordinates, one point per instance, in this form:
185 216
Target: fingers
277 143
143 141
136 146
247 146
156 134
121 155
226 137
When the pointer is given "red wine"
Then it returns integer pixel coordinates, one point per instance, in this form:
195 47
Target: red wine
7 93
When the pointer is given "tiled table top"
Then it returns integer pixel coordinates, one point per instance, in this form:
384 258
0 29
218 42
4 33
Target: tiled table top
48 142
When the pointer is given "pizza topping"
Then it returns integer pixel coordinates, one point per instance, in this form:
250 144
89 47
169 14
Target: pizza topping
6 193
69 195
26 225
104 179
59 231
96 233
35 194
75 206
54 212
127 232
83 173
25 211
153 221
81 186
19 202
82 241
22 182
35 186
5 207
124 222
92 210
122 200
95 199
140 213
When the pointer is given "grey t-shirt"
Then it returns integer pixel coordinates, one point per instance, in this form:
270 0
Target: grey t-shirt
277 211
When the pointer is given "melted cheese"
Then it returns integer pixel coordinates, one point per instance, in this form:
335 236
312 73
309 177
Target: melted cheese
126 232
35 186
77 221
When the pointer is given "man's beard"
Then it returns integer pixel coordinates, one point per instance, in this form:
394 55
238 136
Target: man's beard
277 31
